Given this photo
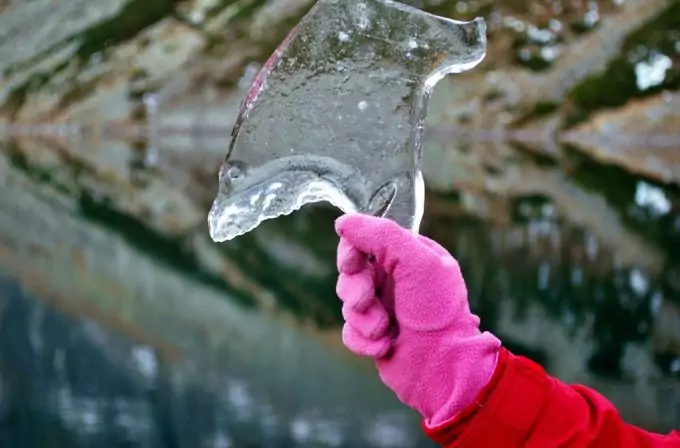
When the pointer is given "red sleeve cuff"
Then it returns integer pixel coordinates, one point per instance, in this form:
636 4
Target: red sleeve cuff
522 405
470 427
445 433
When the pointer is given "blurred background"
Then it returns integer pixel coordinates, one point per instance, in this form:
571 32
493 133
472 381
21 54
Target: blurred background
553 175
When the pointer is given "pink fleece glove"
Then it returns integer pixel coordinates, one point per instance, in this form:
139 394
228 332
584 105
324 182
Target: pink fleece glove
407 307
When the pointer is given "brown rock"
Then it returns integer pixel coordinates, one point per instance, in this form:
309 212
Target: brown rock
643 137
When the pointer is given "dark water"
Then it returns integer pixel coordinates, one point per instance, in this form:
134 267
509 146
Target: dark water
115 335
62 388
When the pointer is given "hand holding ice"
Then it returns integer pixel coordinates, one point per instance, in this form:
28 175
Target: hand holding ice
337 112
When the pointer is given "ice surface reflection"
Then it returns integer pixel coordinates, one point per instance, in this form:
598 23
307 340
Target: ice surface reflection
80 386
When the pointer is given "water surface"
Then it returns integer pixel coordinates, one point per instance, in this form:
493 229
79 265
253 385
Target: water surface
123 325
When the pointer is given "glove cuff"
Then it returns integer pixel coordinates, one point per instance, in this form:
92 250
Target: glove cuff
469 365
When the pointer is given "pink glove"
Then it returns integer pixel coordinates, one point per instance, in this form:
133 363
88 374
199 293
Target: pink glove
408 309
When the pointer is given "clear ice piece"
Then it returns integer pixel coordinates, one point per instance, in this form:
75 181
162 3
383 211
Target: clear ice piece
337 112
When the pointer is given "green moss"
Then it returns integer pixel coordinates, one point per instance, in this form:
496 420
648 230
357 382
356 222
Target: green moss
19 161
610 89
169 251
540 110
539 158
529 208
619 187
17 96
245 8
309 297
453 197
544 108
249 8
575 116
78 92
492 95
134 17
37 58
582 27
617 84
535 62
219 7
657 32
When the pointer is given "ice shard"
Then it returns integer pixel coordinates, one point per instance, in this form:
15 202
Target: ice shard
337 112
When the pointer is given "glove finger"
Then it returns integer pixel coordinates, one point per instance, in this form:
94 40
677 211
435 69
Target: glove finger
356 291
434 246
373 323
350 260
362 346
381 238
438 250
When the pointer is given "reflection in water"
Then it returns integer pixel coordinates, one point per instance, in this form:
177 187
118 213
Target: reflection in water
62 388
180 363
68 383
238 344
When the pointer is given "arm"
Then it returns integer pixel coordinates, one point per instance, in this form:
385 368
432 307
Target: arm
552 414
405 305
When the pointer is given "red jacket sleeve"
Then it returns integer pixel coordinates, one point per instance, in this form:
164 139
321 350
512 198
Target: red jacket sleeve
522 406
